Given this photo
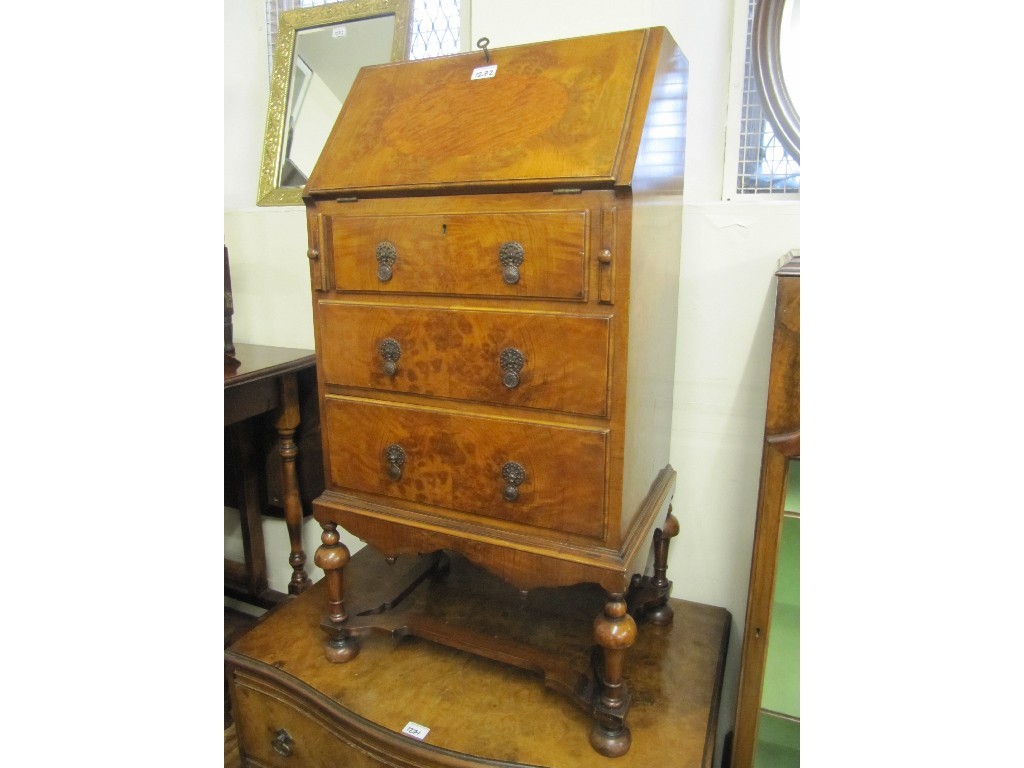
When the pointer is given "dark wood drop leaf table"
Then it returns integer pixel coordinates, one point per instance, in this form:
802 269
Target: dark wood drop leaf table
257 380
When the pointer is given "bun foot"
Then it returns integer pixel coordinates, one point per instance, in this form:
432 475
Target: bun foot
660 616
610 742
341 649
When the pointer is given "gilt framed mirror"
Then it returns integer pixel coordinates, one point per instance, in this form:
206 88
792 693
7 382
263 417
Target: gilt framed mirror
319 50
775 47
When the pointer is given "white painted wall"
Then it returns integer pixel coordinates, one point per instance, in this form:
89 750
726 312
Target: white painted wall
730 251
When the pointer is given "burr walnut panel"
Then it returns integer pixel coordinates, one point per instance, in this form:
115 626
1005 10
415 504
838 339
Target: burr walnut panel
555 111
462 253
527 359
458 461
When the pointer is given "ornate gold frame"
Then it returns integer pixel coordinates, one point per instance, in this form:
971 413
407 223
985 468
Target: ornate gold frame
290 22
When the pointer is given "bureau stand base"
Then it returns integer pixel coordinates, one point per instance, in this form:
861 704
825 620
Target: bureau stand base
444 599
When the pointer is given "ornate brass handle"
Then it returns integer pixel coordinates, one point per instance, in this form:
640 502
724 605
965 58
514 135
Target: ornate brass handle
511 257
511 361
513 474
390 351
282 743
386 255
394 454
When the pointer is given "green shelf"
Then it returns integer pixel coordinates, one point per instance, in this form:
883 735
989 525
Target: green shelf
793 487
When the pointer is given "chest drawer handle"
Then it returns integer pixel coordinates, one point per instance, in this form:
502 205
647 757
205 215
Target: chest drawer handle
390 351
513 474
282 743
386 255
394 454
511 361
511 257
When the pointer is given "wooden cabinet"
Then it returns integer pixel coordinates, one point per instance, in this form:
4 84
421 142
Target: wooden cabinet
494 244
294 709
768 711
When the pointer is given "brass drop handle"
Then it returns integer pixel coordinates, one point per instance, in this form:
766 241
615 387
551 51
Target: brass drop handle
513 474
511 256
394 455
386 256
282 743
390 350
511 361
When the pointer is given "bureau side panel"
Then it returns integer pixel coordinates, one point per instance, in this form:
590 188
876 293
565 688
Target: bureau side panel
655 250
654 289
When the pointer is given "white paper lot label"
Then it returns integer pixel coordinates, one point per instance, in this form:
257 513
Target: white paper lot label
416 730
482 73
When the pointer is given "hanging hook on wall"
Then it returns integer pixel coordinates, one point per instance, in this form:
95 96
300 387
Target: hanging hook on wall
482 43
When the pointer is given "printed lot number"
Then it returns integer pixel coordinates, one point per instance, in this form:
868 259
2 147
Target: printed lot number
416 730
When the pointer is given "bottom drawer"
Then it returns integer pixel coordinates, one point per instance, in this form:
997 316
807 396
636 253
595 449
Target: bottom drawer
459 461
273 730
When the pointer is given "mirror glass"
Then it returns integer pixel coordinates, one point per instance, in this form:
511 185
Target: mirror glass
318 54
789 50
775 46
325 64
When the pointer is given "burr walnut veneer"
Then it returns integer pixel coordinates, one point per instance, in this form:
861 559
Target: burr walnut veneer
494 242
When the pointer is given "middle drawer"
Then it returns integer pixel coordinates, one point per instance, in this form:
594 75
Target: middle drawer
528 359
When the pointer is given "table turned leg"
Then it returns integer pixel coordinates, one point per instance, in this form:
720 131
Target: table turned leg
614 631
287 424
332 556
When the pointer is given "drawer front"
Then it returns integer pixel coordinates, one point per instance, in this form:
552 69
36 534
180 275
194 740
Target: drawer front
464 462
461 254
260 717
531 360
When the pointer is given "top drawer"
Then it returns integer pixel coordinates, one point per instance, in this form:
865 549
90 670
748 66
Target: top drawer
527 254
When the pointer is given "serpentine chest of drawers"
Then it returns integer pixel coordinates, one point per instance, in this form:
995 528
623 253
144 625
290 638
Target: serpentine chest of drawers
494 241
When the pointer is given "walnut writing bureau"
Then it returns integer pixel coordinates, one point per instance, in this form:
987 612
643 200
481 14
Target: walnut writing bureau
494 241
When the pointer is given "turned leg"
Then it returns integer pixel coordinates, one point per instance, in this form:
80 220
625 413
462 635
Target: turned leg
287 423
614 631
661 614
332 556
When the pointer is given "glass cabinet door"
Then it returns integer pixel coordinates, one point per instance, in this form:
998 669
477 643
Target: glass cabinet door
767 728
778 722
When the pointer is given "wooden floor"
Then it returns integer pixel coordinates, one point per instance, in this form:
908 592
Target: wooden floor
235 623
